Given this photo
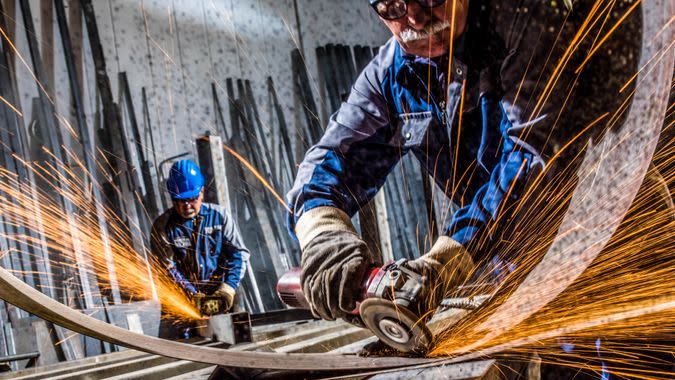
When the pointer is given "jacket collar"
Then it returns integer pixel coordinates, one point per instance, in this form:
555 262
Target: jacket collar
203 211
408 67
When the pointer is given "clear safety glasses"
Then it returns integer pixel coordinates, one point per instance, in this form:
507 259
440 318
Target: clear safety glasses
393 9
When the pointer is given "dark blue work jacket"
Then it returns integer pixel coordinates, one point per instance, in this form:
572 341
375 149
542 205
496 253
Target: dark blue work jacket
203 252
402 103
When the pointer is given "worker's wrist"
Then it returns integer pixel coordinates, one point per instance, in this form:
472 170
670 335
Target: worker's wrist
444 244
446 250
225 289
319 220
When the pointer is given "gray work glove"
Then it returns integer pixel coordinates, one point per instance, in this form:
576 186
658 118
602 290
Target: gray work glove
334 262
445 267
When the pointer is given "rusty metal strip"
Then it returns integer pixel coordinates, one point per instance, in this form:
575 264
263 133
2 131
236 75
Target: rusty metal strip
21 295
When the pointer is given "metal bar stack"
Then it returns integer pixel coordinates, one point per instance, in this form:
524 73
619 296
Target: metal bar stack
250 202
307 121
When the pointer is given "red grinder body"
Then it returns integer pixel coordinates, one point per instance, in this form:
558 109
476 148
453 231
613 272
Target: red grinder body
383 306
289 288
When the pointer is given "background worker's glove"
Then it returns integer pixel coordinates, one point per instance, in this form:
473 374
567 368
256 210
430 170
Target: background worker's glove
446 266
334 261
226 294
210 307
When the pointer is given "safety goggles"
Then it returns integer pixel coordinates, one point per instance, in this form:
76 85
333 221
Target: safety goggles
186 200
393 9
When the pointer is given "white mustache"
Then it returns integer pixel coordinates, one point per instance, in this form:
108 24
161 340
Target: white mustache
409 34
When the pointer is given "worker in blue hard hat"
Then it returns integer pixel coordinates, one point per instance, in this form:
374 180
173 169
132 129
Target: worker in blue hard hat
199 243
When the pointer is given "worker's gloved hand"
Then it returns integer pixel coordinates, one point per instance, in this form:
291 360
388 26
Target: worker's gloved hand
446 266
211 307
226 294
334 261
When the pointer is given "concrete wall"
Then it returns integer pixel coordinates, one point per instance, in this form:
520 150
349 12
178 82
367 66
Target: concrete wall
177 48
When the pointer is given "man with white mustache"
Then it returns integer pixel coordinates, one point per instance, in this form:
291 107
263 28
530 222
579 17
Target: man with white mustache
459 86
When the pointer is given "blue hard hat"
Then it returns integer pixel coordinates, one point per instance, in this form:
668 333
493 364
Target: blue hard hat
185 180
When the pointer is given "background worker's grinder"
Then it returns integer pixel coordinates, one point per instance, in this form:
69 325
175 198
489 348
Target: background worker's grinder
387 295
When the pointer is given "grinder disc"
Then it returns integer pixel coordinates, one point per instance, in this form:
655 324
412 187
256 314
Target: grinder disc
397 326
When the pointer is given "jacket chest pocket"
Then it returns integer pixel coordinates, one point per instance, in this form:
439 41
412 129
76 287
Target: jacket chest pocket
181 242
414 128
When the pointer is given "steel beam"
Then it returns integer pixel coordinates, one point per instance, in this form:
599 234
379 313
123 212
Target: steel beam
305 105
147 125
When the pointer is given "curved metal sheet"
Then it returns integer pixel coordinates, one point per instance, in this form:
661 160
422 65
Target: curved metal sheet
25 297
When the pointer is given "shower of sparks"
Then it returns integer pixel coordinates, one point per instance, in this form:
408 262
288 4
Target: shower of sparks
626 297
39 211
623 305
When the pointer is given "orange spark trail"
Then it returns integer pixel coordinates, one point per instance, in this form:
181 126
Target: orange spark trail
452 34
607 35
11 106
455 185
2 31
259 176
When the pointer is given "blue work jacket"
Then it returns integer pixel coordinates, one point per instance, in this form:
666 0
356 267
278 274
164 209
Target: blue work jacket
402 104
203 252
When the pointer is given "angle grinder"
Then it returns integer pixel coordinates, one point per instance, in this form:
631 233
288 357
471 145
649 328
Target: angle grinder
387 295
208 305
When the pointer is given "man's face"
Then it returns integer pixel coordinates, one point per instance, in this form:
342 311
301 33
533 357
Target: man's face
425 32
188 208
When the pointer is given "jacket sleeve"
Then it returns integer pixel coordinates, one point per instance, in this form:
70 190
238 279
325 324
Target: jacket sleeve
349 164
163 254
234 257
526 123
